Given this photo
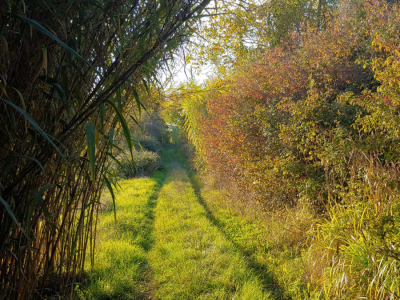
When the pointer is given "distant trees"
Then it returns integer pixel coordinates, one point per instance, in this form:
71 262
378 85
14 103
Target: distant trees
241 30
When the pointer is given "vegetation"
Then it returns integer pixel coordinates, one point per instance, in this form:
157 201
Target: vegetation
122 269
191 259
70 72
308 128
148 138
295 138
164 246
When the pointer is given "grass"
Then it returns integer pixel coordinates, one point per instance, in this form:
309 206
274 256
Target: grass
121 269
164 246
350 254
273 243
178 236
191 258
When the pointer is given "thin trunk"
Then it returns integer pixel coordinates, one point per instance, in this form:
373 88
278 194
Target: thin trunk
319 13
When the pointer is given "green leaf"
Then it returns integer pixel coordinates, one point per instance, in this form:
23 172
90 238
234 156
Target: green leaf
137 123
102 111
119 99
59 89
37 199
146 87
23 107
11 213
115 159
43 30
39 194
125 129
108 184
61 94
91 143
118 148
34 124
138 103
43 66
111 137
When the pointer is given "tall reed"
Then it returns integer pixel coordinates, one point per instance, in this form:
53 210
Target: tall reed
69 73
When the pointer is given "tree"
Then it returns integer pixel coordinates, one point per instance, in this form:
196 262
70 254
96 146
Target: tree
240 31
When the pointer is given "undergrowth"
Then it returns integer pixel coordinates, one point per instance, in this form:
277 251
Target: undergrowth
351 252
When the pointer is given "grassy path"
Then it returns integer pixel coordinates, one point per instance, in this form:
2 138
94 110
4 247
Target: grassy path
165 246
191 259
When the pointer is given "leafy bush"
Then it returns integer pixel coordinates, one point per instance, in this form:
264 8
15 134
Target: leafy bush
147 142
144 164
317 124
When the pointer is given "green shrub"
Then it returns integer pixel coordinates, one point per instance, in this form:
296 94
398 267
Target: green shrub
144 164
148 142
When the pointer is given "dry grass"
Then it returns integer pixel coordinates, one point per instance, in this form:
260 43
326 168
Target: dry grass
350 252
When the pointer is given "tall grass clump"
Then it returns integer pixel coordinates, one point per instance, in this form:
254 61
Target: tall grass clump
361 236
70 71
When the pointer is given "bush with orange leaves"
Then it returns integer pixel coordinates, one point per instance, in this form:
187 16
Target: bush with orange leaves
287 126
316 121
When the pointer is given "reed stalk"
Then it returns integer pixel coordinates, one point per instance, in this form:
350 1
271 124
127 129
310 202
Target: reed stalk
69 71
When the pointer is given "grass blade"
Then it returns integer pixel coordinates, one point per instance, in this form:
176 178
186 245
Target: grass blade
23 107
43 65
33 159
137 123
39 194
125 129
111 137
34 124
115 159
108 184
43 30
138 103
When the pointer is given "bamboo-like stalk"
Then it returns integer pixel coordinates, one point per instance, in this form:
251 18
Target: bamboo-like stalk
60 62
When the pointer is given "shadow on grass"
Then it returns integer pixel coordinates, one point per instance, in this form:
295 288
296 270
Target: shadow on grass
267 279
148 227
127 273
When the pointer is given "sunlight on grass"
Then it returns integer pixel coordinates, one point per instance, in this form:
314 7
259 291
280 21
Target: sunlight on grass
121 269
191 259
271 242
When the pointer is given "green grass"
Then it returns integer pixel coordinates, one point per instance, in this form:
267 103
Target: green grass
178 239
191 258
121 269
273 243
164 246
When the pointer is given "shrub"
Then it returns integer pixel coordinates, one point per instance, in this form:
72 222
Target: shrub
148 142
144 164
